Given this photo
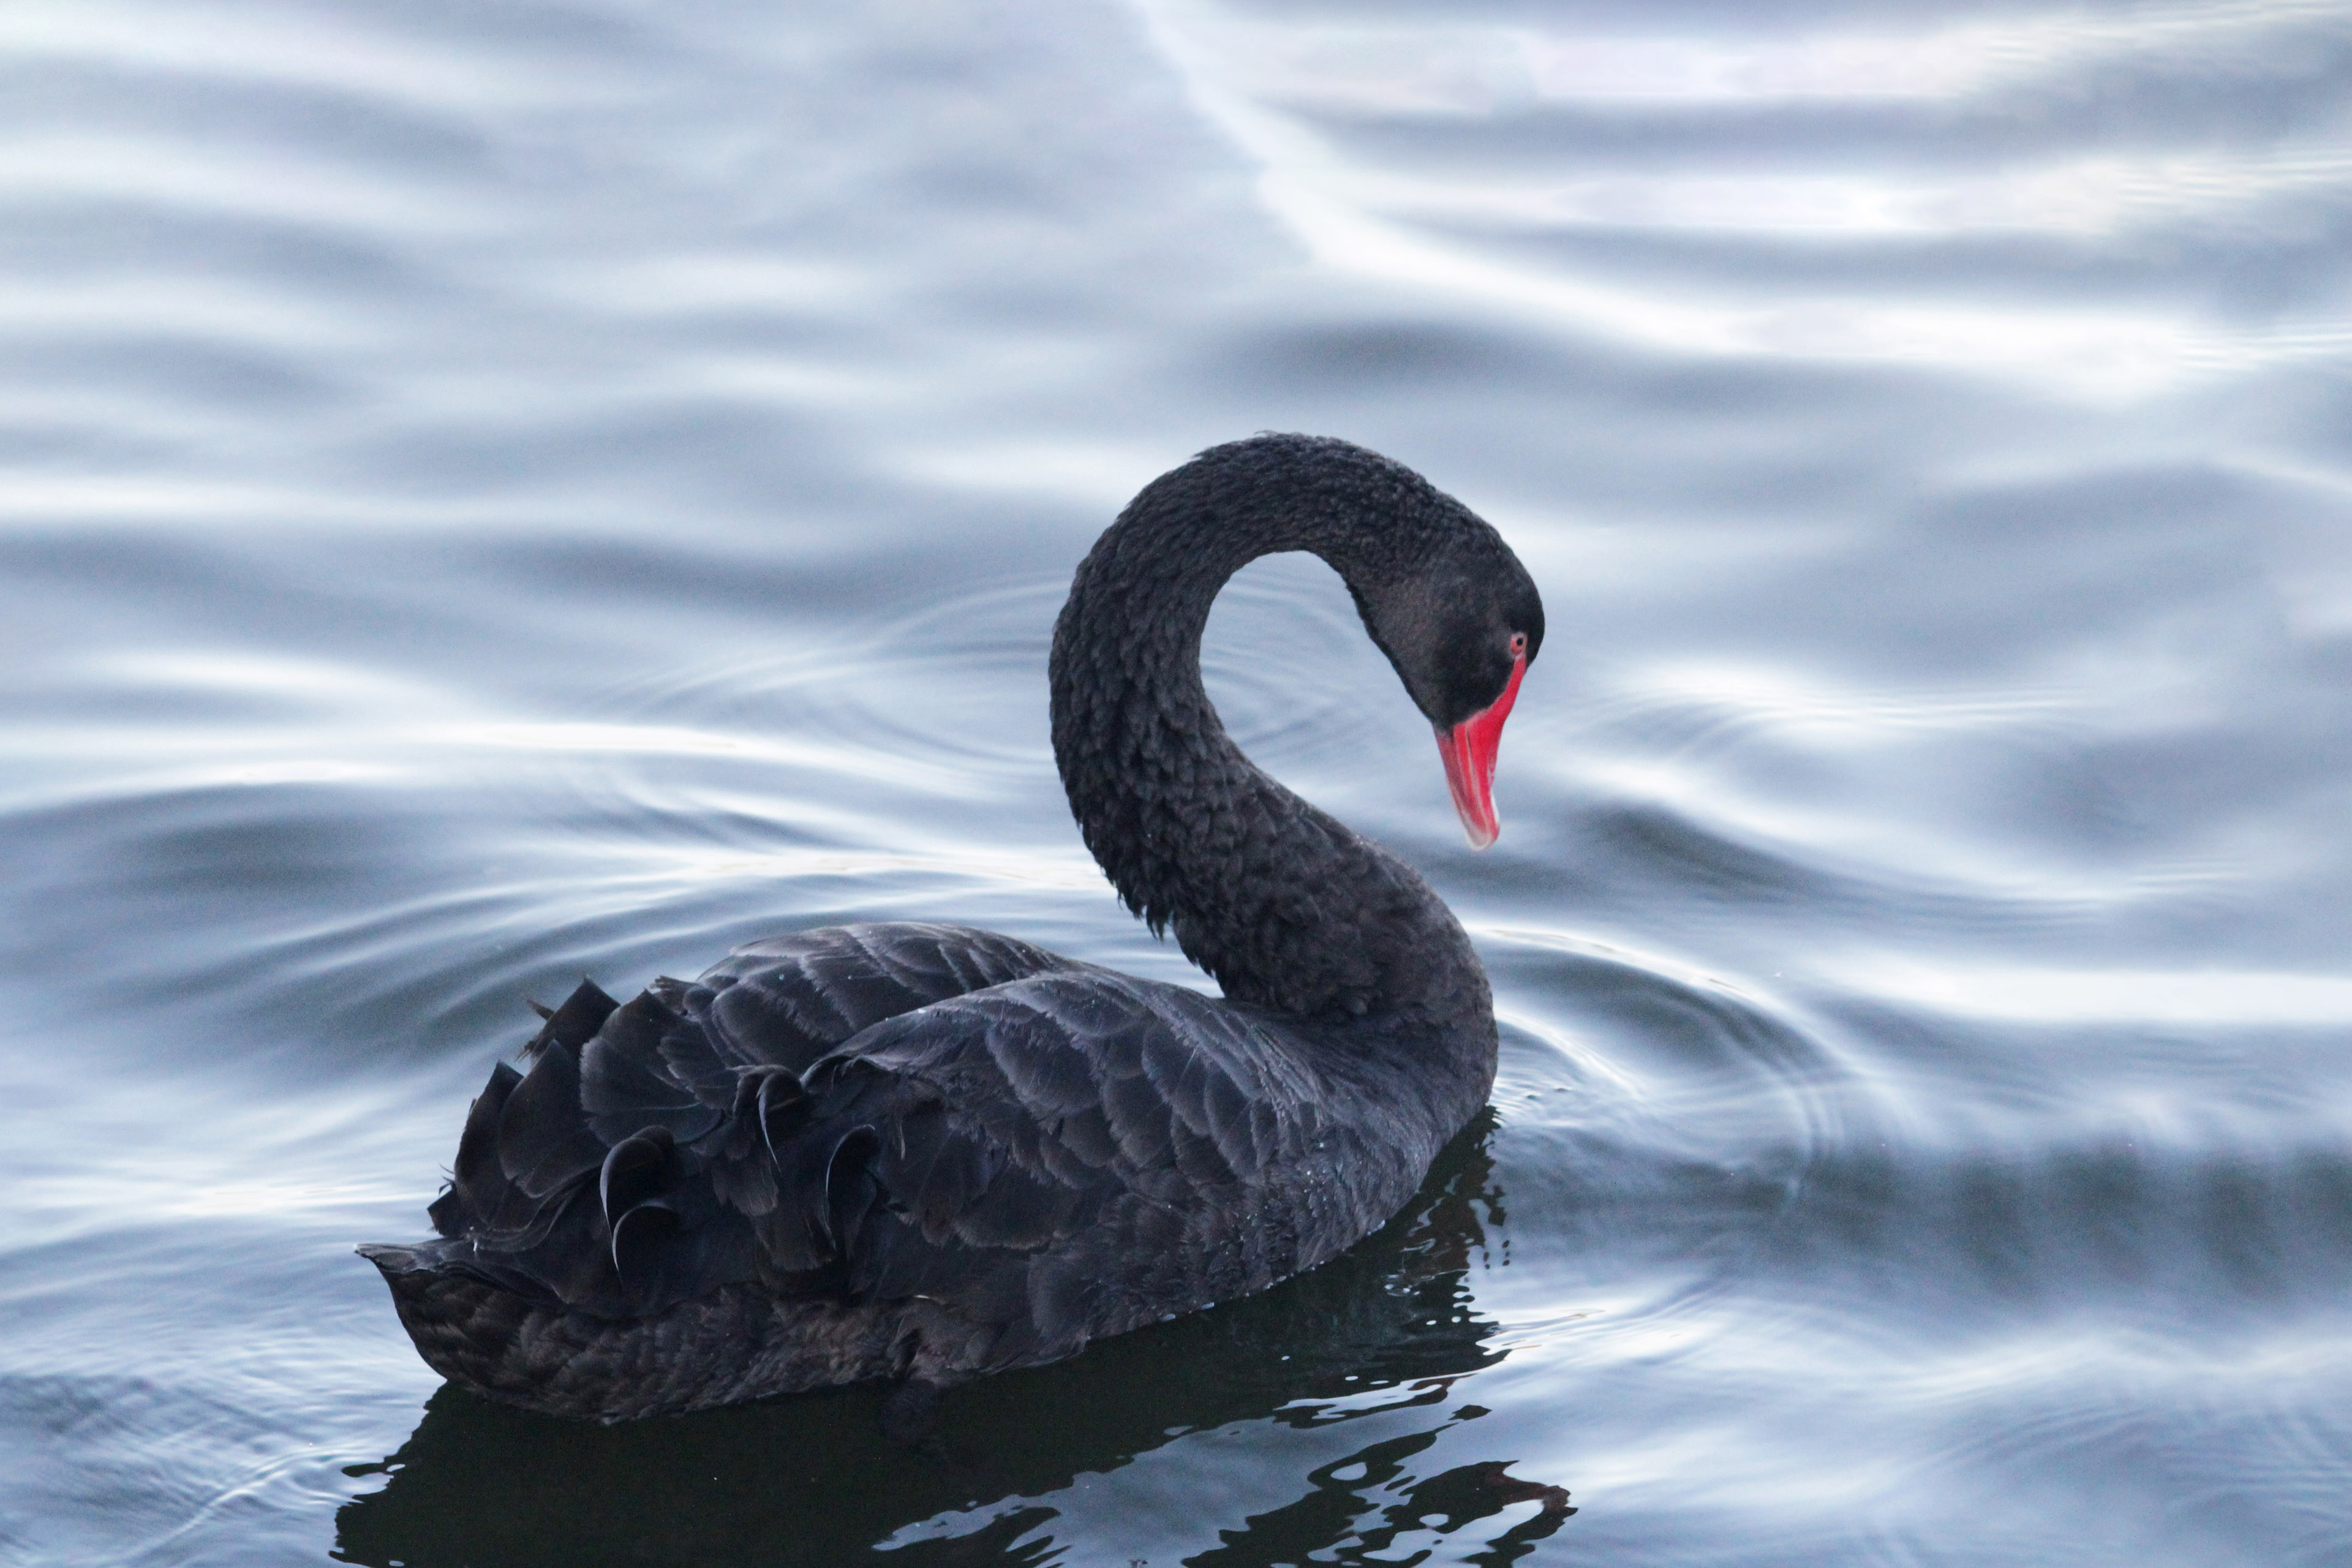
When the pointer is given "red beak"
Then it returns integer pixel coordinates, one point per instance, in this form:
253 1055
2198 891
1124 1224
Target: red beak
1469 748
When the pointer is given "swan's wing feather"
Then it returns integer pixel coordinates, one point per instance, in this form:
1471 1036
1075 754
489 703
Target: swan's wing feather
480 1193
542 1146
572 1025
1074 1150
789 1000
1015 1153
680 1059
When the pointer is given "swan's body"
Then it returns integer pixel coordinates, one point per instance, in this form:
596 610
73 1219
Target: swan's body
927 1152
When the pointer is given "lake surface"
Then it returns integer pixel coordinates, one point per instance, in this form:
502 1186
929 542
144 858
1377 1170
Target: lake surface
500 492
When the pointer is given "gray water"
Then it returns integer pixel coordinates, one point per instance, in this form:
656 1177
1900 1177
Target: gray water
496 492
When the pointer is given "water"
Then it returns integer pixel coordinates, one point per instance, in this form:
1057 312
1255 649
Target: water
496 493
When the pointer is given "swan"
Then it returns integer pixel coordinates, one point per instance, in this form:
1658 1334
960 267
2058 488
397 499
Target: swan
925 1153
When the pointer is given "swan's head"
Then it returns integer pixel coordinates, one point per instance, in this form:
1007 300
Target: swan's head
1462 628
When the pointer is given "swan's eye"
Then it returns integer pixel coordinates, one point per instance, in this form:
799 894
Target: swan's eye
1519 645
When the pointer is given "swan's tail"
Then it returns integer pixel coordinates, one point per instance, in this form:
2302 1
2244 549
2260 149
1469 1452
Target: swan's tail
628 1204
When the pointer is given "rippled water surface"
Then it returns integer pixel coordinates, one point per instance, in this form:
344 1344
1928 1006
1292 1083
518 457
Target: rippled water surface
500 491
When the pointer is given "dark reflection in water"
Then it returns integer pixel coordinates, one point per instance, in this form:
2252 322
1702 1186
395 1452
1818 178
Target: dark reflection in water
1387 1330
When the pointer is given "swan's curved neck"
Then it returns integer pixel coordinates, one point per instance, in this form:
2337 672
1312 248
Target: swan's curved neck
1286 906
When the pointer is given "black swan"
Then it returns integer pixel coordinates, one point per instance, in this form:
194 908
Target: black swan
925 1153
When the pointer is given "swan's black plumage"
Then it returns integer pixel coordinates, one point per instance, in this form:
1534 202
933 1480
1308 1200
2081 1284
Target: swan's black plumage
926 1152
